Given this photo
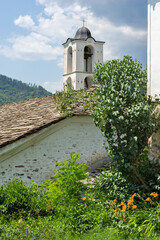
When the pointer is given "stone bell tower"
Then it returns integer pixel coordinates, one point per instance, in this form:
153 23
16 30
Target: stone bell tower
81 53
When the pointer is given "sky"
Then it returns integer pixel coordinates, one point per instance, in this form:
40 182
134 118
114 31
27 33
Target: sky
32 33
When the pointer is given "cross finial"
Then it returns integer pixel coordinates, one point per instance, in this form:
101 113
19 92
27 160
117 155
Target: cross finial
83 20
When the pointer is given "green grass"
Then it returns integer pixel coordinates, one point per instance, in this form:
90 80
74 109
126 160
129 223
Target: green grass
56 230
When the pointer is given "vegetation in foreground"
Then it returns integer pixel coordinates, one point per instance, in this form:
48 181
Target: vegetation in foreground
121 203
69 208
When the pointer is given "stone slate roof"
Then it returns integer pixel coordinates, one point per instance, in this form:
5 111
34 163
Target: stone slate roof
20 119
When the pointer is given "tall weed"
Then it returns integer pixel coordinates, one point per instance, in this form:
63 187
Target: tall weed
68 187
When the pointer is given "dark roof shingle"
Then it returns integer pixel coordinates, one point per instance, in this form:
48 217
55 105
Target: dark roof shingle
22 118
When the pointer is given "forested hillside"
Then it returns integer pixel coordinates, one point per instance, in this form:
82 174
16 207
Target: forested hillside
12 90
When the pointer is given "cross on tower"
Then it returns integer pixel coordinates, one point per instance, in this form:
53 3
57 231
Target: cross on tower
83 20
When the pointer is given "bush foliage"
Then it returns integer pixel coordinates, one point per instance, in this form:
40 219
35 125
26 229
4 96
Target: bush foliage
16 199
69 207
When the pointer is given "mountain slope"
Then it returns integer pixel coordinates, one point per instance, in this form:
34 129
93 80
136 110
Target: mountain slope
12 90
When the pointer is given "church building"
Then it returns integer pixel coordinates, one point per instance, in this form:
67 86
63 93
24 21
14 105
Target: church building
34 134
154 48
81 53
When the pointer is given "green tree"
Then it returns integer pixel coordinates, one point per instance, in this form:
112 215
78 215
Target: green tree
124 113
12 90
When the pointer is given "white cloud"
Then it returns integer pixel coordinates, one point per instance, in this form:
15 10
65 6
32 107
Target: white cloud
118 38
32 47
53 8
24 22
127 30
53 86
44 2
58 23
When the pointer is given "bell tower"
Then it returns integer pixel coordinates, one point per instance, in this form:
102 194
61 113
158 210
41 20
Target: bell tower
81 53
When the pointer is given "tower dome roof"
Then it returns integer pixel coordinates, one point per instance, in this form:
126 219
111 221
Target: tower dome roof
83 33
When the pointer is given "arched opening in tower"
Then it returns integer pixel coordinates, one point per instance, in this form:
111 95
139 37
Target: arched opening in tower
88 53
69 82
87 82
69 60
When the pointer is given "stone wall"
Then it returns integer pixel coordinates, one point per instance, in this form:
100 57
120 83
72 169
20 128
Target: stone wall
34 156
154 142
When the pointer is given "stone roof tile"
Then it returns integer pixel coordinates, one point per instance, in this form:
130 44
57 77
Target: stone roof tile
20 119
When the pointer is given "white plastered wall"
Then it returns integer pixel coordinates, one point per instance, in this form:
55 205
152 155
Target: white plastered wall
34 156
154 48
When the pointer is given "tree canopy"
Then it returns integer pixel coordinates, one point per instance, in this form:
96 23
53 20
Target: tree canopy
124 113
12 90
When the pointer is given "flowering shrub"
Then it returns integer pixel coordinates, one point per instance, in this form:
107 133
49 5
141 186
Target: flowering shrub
112 184
70 205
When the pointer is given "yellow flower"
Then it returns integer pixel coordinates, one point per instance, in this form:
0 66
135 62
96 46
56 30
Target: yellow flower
130 201
113 202
148 199
134 195
84 198
134 206
124 208
107 206
154 194
122 203
85 205
115 210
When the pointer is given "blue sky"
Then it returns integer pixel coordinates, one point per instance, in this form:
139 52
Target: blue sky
32 33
